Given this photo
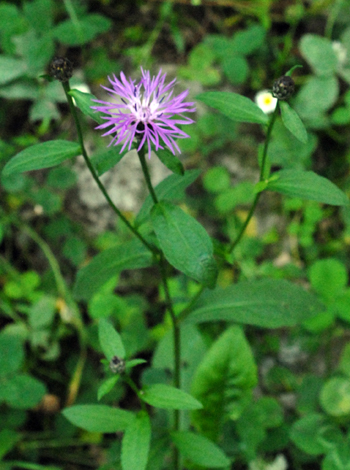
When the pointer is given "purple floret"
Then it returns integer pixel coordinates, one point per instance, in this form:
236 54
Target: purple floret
147 112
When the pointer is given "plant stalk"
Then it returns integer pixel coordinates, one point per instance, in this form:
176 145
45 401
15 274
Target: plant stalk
175 324
261 178
66 88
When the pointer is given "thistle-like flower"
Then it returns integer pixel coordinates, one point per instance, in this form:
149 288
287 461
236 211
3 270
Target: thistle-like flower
146 113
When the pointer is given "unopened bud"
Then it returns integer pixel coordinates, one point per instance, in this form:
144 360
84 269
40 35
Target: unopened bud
117 365
61 69
283 87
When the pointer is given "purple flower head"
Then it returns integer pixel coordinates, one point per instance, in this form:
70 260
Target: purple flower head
147 112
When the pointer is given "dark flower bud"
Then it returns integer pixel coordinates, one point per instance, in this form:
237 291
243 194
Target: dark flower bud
61 69
283 87
117 365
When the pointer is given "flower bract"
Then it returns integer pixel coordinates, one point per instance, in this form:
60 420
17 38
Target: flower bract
147 111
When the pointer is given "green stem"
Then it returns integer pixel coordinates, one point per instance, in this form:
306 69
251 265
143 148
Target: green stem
141 154
133 386
261 178
72 307
183 314
59 280
93 172
177 353
175 324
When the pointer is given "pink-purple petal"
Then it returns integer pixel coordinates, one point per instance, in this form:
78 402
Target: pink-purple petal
150 103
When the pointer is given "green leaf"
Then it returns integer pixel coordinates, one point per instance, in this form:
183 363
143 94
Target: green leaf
11 354
39 15
84 101
11 68
269 303
169 398
42 312
110 340
22 391
307 185
107 386
235 106
136 443
338 458
328 278
20 90
193 348
288 152
8 440
42 155
293 122
223 382
217 179
170 161
170 189
335 396
316 96
130 255
235 68
185 243
199 449
77 33
314 435
104 161
98 418
319 53
248 40
344 361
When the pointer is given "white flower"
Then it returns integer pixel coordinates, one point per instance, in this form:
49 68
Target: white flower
266 101
340 51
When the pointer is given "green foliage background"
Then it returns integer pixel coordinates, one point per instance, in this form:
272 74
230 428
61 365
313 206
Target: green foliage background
280 383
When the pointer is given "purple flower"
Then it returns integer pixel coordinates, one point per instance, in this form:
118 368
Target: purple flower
147 112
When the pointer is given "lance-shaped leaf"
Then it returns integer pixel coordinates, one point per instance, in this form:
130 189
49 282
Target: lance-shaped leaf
43 155
185 243
234 106
170 161
84 103
199 449
91 278
107 159
107 386
223 382
98 418
164 396
136 443
269 303
293 122
307 185
110 340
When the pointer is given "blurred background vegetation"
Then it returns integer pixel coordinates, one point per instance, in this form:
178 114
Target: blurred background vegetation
45 222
